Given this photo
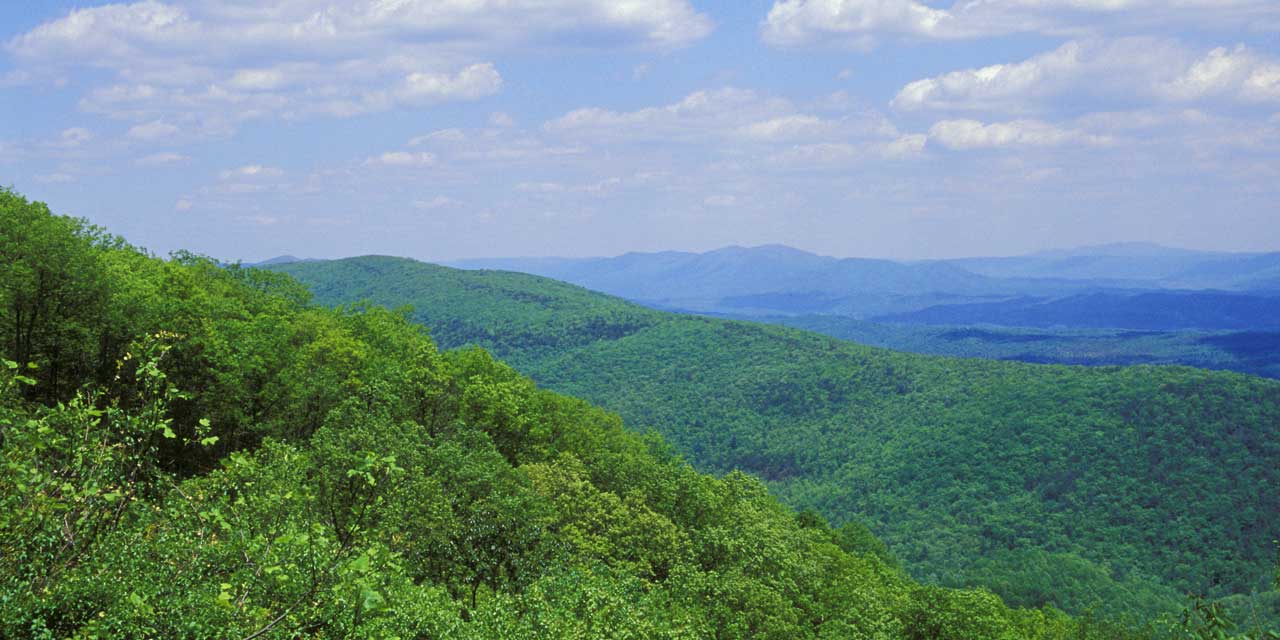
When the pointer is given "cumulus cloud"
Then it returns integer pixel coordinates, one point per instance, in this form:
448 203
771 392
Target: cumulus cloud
840 154
473 82
446 136
1127 69
1238 73
402 159
225 63
788 127
972 134
438 202
155 130
728 113
702 113
251 171
162 159
753 131
863 23
905 146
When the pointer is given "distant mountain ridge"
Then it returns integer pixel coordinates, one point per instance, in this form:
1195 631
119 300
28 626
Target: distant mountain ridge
780 280
285 259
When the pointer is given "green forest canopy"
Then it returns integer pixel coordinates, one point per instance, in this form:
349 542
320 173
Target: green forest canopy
189 450
1116 489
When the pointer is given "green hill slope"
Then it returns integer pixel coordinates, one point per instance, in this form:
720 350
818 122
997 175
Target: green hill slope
201 454
1120 487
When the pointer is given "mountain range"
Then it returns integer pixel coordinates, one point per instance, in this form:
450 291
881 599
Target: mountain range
1057 286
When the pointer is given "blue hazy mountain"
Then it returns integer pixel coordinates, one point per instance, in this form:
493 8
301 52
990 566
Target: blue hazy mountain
1150 311
1139 264
285 259
780 280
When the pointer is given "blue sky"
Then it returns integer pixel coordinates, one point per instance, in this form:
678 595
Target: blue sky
441 129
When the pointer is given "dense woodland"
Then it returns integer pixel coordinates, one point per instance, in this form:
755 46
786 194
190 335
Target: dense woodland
1109 490
191 450
1253 352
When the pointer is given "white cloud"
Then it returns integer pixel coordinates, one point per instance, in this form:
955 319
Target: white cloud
1237 73
154 130
843 154
747 129
702 113
251 171
72 138
788 127
183 205
402 159
471 83
862 23
727 114
818 155
905 146
440 136
485 148
501 119
219 29
438 202
208 60
972 134
163 159
720 200
1125 70
257 79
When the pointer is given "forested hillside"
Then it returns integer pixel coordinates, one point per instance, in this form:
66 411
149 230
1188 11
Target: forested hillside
1115 489
1147 311
189 450
1253 352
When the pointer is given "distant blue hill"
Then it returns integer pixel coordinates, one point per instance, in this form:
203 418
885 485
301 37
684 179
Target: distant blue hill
1150 311
775 279
285 259
1139 264
781 280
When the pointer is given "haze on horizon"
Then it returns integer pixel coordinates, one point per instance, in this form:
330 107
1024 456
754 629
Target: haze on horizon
870 128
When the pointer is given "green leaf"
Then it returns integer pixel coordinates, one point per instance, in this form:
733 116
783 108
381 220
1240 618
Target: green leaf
372 599
360 564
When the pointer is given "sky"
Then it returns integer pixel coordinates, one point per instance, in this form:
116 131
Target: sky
444 129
